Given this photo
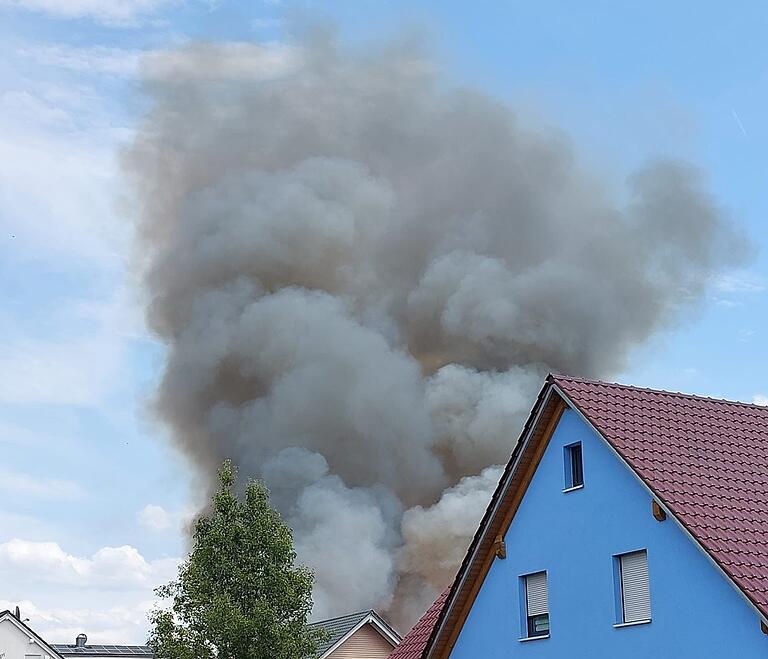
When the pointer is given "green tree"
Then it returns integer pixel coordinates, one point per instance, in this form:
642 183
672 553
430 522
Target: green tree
238 595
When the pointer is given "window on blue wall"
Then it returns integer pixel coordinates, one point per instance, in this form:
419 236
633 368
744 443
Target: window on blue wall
536 601
574 466
633 593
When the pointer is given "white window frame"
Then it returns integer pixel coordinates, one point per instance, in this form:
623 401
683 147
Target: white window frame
534 603
633 588
568 466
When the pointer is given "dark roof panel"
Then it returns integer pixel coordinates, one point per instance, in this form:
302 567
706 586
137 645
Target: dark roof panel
103 650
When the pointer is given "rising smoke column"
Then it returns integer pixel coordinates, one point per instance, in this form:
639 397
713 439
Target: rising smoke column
361 275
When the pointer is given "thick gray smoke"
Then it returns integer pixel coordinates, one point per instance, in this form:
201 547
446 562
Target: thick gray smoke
362 274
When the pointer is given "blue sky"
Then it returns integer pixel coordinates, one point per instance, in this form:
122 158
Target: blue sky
93 495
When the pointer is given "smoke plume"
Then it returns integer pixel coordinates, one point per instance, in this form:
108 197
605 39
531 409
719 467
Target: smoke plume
362 273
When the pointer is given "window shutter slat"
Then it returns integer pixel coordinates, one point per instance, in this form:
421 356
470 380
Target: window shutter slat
536 594
636 594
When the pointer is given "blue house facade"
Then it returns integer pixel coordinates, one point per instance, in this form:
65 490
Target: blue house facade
591 561
574 536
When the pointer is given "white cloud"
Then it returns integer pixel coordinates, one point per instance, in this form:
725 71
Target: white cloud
40 150
18 435
24 106
23 524
743 282
760 399
67 324
232 60
155 518
728 288
120 624
57 372
110 12
722 302
72 226
746 335
23 486
108 568
59 182
93 59
106 595
76 360
262 23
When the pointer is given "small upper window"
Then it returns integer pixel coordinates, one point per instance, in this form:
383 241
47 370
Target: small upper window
635 605
574 466
536 605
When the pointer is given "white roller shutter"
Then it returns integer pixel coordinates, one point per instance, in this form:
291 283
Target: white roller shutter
635 591
536 594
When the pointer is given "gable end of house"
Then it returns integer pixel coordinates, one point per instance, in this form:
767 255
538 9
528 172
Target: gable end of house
593 402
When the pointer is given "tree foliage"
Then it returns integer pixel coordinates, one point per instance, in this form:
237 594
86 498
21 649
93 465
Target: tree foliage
239 594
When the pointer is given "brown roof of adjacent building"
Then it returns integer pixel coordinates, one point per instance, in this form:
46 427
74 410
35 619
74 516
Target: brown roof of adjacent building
412 646
705 460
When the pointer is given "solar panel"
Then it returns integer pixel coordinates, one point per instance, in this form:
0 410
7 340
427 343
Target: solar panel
96 650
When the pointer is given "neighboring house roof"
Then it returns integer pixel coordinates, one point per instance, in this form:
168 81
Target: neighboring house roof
415 640
341 628
103 650
11 617
704 460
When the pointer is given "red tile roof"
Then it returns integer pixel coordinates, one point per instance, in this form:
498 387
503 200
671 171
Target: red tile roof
706 460
415 640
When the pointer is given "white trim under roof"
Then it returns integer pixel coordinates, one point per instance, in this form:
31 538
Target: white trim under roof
389 634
